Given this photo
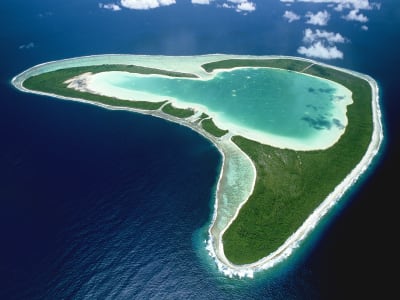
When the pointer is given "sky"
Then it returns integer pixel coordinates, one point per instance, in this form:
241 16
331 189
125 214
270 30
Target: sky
319 39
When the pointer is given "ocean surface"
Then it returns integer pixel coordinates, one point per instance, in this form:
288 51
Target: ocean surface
99 204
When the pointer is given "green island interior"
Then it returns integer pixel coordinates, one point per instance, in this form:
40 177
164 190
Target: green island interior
289 184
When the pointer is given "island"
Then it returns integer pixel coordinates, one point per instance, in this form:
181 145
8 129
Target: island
276 181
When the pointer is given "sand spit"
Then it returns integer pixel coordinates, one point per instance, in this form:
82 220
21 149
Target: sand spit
237 169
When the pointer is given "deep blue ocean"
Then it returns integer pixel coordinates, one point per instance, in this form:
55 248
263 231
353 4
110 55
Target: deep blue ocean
99 204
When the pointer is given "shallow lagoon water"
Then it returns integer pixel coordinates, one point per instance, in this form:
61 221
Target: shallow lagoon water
290 108
45 140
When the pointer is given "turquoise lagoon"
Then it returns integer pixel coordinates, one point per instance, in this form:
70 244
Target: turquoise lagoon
278 107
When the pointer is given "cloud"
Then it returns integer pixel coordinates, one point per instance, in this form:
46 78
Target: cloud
146 4
45 14
240 5
330 37
355 15
244 6
321 18
201 1
110 6
321 44
291 16
343 4
318 50
27 46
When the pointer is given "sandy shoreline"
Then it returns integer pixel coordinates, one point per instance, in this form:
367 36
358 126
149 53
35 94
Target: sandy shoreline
228 150
106 84
293 241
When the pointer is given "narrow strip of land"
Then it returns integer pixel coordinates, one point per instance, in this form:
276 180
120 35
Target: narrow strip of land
306 68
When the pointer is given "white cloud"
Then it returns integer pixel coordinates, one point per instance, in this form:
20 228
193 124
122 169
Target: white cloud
246 6
201 1
330 37
226 5
318 50
376 5
321 44
352 6
243 6
27 46
46 14
291 16
110 6
341 4
146 4
355 15
321 18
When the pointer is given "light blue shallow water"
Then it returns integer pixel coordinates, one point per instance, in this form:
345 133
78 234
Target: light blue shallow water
275 101
113 205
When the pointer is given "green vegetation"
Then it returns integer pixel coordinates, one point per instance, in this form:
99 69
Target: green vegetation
281 63
177 112
53 82
74 71
291 184
209 126
203 116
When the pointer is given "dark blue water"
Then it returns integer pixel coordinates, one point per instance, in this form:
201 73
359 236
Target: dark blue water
98 204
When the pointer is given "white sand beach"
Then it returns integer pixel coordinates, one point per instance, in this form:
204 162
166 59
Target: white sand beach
107 84
238 174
